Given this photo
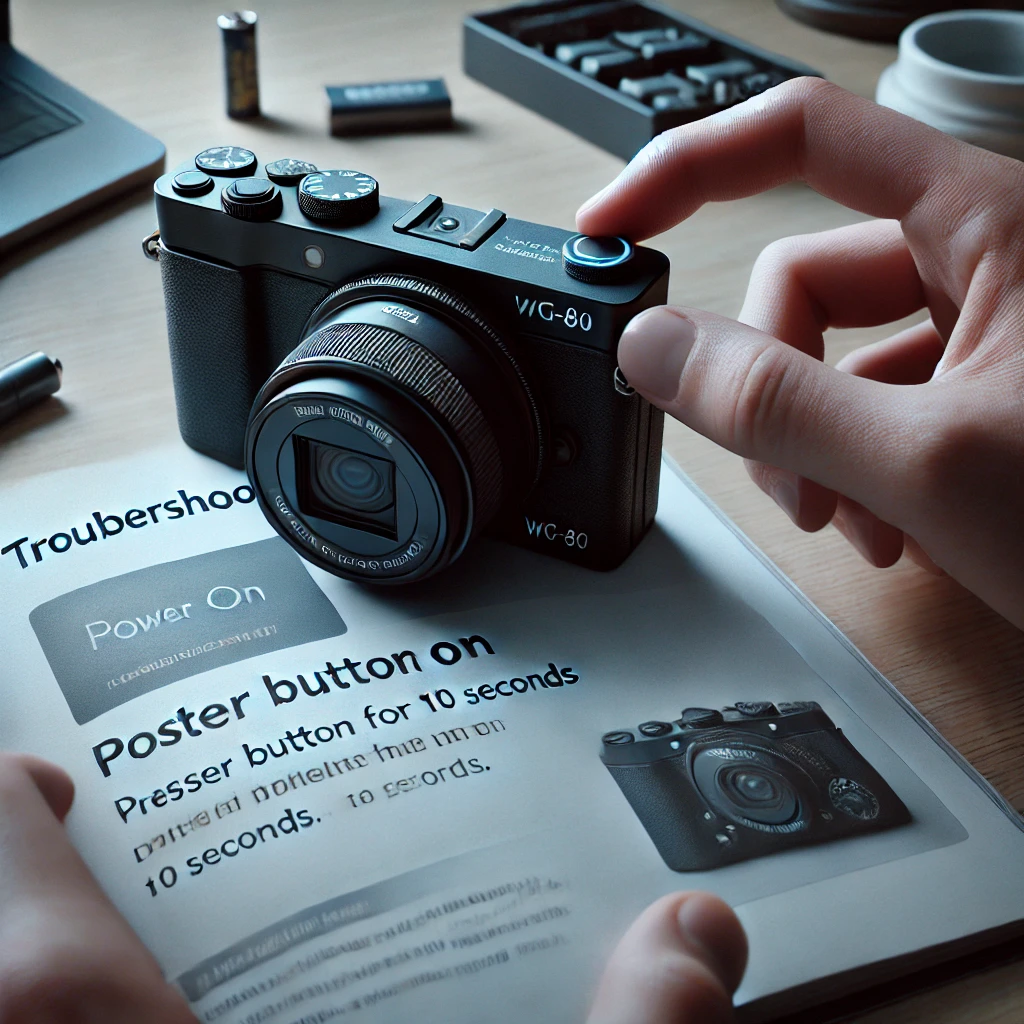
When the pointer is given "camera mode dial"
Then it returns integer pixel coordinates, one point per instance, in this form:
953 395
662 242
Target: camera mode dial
597 260
288 171
251 199
230 161
342 198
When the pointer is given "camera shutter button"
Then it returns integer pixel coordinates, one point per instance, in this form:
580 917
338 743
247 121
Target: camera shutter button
251 199
192 183
596 260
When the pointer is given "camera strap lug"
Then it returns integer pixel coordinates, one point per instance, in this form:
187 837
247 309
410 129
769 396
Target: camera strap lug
151 246
618 378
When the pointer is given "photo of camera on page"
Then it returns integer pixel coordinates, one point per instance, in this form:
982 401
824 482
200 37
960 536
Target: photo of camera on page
397 377
718 787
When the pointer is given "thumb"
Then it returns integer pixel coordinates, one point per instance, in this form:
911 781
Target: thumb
770 402
679 963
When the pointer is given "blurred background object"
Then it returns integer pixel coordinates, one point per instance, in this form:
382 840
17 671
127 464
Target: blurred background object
60 152
26 381
241 79
879 20
963 73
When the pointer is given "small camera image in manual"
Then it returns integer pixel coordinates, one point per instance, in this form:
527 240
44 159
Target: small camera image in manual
716 787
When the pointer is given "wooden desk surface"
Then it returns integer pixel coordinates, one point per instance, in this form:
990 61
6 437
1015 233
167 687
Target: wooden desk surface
87 295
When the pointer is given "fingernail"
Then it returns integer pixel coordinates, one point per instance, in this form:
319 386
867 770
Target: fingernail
786 494
653 350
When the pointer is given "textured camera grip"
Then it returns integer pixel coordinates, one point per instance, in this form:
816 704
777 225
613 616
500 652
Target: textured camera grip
228 330
207 328
662 797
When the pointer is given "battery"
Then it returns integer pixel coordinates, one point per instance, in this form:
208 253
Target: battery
27 381
389 106
238 31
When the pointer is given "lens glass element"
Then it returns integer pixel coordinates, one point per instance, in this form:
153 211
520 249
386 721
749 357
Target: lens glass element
752 785
347 487
760 794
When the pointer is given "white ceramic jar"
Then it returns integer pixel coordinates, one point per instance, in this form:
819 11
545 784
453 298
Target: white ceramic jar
962 72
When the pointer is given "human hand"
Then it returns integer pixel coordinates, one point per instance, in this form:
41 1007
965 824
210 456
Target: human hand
66 954
679 963
915 443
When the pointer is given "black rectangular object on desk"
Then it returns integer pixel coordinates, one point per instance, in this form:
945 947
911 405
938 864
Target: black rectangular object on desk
377 107
513 50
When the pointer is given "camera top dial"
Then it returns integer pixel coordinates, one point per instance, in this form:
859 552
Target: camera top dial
288 171
230 161
343 198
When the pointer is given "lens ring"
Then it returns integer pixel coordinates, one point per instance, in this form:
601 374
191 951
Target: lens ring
431 512
406 349
406 364
751 785
452 305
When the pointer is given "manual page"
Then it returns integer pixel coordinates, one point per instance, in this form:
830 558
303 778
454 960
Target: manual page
316 800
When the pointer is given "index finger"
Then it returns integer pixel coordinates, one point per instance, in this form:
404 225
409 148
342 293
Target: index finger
867 157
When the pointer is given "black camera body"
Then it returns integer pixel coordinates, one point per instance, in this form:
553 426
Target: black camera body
398 376
717 787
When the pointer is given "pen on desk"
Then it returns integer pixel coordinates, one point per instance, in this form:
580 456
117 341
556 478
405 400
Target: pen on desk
26 381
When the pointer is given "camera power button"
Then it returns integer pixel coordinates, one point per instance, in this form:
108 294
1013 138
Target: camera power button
597 260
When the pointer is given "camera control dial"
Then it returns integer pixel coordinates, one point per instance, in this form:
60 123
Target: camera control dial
230 161
288 171
343 198
655 728
618 737
700 718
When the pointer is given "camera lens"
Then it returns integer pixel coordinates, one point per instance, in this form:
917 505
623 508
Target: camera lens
393 433
354 481
346 487
761 795
752 785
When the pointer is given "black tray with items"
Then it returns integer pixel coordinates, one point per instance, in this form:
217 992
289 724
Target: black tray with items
616 72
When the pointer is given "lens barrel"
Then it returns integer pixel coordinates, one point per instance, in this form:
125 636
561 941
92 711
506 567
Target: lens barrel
393 433
752 785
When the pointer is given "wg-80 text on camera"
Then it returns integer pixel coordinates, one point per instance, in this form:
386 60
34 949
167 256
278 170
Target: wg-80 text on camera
550 531
545 310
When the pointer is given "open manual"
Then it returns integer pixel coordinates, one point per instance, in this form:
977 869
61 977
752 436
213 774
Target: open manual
318 801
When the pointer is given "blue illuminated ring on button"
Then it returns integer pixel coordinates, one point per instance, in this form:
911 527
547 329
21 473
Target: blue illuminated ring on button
595 260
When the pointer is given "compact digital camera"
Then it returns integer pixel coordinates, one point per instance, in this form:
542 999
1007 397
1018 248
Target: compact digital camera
397 376
716 787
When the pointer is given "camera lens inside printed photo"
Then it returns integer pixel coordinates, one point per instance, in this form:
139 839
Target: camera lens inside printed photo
717 787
